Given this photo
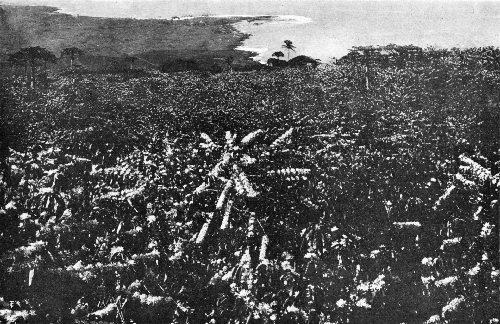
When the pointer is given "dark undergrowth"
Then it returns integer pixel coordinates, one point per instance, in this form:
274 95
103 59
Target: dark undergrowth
348 193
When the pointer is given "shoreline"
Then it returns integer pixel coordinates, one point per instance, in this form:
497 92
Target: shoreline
159 40
334 30
262 20
31 22
256 53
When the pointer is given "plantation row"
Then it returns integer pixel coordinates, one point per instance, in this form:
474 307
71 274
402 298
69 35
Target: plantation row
336 195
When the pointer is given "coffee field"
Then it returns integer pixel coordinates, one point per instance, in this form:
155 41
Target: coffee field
350 193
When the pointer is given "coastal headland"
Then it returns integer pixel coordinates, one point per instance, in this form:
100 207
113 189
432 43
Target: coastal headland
208 41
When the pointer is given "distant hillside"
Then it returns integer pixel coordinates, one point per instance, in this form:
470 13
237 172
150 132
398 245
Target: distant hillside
10 39
22 26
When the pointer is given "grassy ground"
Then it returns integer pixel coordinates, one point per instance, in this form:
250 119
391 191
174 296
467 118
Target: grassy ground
106 40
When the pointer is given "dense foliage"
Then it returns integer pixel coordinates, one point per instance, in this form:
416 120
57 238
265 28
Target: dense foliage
341 194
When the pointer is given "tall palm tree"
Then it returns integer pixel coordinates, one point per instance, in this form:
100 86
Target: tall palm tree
288 46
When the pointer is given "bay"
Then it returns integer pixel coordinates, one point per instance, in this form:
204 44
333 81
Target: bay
321 28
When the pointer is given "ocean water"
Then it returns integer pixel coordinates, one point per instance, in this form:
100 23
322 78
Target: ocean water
320 28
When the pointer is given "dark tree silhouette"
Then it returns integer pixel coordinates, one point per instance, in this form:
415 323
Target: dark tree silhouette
229 62
30 58
131 61
278 54
289 47
4 139
303 60
19 59
72 53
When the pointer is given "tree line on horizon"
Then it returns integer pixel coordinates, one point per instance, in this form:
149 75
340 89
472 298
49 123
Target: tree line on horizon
32 58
